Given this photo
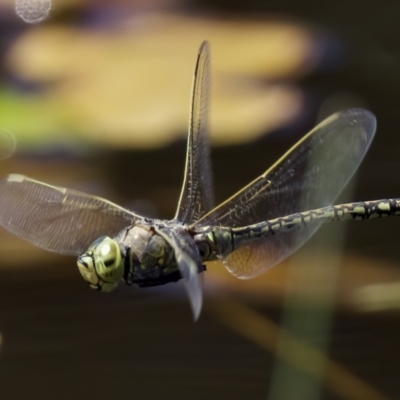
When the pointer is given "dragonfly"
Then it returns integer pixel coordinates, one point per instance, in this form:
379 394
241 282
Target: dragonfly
250 232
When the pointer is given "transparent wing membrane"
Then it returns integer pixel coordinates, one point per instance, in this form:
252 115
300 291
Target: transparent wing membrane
57 219
309 176
256 256
197 191
188 260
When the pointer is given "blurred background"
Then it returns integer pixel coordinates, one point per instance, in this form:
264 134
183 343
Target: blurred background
96 94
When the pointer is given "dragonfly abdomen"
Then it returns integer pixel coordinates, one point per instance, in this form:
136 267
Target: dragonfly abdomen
225 240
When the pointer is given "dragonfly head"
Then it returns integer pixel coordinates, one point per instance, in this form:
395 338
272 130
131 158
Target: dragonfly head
102 264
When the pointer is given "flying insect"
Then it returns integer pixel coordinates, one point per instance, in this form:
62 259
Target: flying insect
250 232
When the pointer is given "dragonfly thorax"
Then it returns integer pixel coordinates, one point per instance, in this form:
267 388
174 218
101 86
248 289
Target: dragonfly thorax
150 257
102 264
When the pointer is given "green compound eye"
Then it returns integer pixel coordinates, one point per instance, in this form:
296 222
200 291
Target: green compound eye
102 264
109 263
108 250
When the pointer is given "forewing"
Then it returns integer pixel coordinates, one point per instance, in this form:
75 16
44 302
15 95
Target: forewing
55 218
197 196
310 175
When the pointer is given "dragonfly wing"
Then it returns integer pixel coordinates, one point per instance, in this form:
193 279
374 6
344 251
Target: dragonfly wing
55 218
197 196
188 260
191 280
255 257
309 176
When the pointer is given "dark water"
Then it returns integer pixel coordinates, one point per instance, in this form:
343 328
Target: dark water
62 340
